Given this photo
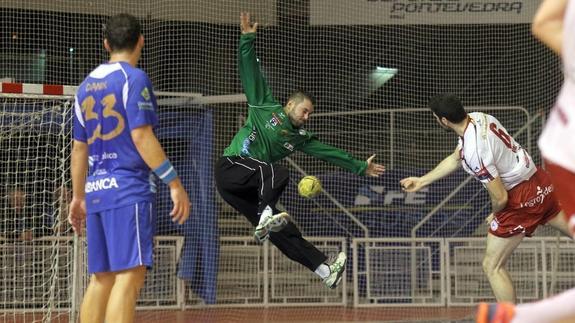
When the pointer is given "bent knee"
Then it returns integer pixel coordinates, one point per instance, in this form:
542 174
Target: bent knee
491 266
134 277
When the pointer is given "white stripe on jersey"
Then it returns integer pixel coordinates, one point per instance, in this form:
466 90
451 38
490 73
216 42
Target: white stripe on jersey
104 70
78 112
125 90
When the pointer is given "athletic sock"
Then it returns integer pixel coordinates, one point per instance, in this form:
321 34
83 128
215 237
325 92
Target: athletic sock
266 213
323 271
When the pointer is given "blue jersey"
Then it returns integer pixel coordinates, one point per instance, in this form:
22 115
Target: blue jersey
113 100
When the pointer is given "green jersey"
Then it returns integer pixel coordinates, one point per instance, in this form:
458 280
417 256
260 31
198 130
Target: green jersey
268 135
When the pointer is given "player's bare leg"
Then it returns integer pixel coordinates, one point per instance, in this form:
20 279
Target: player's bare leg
96 298
497 253
559 222
122 302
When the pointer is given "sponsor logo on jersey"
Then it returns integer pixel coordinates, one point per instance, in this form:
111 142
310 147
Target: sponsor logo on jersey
275 120
107 155
247 142
483 175
541 194
99 172
145 105
101 184
288 146
246 147
145 94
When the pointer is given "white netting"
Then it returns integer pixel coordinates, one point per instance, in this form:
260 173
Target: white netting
36 264
329 48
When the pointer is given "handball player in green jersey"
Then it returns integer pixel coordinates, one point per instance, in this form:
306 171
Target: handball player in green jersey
247 176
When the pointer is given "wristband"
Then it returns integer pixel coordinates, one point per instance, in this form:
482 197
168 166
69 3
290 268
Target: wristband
166 172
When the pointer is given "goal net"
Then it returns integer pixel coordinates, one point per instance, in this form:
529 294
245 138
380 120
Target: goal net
408 253
36 262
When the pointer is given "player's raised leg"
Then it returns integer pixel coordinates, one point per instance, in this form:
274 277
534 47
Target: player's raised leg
236 183
497 253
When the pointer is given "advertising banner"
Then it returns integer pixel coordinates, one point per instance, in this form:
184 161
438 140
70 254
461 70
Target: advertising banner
430 12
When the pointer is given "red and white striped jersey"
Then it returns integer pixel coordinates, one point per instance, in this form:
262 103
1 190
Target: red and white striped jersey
557 143
488 151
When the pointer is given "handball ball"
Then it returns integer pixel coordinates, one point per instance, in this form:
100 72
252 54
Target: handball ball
309 186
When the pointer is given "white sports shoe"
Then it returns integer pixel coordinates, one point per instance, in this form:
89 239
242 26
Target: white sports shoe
336 269
273 223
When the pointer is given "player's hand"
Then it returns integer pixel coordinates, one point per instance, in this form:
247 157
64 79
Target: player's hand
77 215
489 218
181 210
246 25
373 169
411 184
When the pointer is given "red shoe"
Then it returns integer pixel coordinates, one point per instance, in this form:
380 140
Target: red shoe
494 313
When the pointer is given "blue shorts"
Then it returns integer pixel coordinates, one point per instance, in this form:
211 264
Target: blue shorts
122 238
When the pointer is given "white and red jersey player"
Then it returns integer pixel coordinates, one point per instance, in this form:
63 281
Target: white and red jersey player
487 151
557 142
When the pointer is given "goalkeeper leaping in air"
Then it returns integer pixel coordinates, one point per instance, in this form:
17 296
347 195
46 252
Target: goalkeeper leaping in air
250 181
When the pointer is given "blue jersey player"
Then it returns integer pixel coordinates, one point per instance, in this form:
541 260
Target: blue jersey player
115 146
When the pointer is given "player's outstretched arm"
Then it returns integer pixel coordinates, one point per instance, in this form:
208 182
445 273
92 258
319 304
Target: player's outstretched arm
79 168
374 169
154 156
444 168
254 84
411 184
547 24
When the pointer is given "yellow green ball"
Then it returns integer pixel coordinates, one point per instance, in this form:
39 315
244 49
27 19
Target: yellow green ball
309 186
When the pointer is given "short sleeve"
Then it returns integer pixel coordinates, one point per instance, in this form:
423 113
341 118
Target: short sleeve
140 101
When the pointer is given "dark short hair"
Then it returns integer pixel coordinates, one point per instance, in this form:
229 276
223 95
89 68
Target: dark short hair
122 32
300 95
448 106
